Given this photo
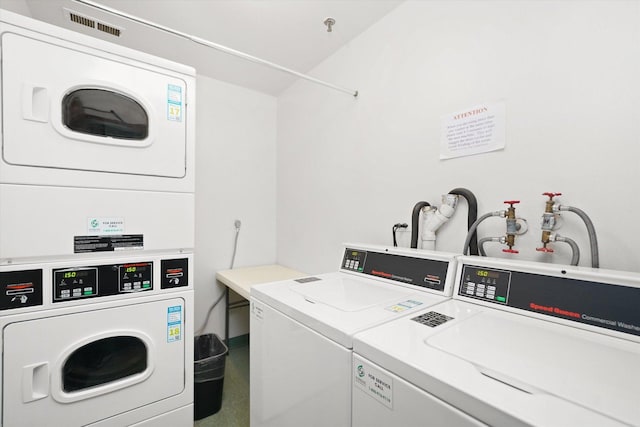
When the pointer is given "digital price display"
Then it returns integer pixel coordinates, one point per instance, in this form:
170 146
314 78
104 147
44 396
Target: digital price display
69 284
486 284
135 277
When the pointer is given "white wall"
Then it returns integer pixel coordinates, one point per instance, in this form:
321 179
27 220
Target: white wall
17 6
568 74
235 179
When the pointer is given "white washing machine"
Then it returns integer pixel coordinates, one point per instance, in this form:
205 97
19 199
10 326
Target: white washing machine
302 330
520 344
97 146
102 343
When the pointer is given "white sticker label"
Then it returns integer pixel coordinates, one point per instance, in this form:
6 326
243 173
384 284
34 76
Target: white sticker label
103 226
174 103
373 382
174 323
404 305
257 312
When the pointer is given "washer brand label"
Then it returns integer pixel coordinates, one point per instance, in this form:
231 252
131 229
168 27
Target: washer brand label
102 226
373 382
174 323
174 103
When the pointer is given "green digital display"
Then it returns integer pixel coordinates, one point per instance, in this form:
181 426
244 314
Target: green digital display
131 269
70 274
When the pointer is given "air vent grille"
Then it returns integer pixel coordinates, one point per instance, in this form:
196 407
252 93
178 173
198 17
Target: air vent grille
109 29
82 20
104 27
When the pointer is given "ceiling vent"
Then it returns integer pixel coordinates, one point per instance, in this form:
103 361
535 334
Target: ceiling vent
78 18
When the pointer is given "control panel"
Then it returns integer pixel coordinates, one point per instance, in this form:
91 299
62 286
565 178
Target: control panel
486 284
101 280
76 283
411 270
610 305
354 260
20 289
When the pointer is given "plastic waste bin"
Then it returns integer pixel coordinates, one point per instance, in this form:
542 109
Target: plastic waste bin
209 354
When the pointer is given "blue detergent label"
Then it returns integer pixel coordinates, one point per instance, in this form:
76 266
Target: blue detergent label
174 323
174 103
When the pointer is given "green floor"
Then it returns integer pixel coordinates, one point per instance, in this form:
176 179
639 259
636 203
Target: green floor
235 393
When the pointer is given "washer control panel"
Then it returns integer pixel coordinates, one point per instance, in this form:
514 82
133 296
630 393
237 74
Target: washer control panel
401 268
101 280
485 283
598 299
354 260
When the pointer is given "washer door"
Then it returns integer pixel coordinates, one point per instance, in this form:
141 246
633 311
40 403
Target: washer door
92 365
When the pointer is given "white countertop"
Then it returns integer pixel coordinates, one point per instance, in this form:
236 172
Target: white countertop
241 279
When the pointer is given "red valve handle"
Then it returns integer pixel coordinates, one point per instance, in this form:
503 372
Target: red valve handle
551 195
511 251
512 202
548 250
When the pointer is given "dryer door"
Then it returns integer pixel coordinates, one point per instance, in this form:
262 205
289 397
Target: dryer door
66 106
92 365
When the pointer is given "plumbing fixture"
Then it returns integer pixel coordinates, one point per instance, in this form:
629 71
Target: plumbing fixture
329 22
514 228
549 218
549 223
434 218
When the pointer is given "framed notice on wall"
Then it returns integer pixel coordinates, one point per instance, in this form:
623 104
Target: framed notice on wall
474 130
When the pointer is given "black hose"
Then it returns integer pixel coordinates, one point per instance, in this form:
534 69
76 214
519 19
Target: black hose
415 219
395 228
472 215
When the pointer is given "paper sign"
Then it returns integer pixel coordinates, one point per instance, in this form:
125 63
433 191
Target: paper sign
475 130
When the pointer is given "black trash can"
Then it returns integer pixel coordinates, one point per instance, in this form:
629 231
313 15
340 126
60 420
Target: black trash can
209 354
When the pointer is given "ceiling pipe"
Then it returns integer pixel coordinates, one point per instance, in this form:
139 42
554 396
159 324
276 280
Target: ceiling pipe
215 46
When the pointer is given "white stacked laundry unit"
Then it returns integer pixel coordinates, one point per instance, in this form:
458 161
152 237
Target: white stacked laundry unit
96 231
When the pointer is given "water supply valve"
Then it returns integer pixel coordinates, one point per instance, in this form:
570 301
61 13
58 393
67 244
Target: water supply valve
548 221
512 226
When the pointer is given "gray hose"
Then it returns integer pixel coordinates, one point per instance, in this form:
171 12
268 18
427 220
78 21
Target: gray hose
233 258
575 259
593 241
473 227
481 243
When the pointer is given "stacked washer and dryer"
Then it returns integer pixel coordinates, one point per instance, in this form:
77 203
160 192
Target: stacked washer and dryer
96 232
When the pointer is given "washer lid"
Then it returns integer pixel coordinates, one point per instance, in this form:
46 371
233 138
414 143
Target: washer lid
510 370
345 293
538 357
338 305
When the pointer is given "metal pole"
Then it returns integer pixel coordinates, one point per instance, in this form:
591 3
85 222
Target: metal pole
215 46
